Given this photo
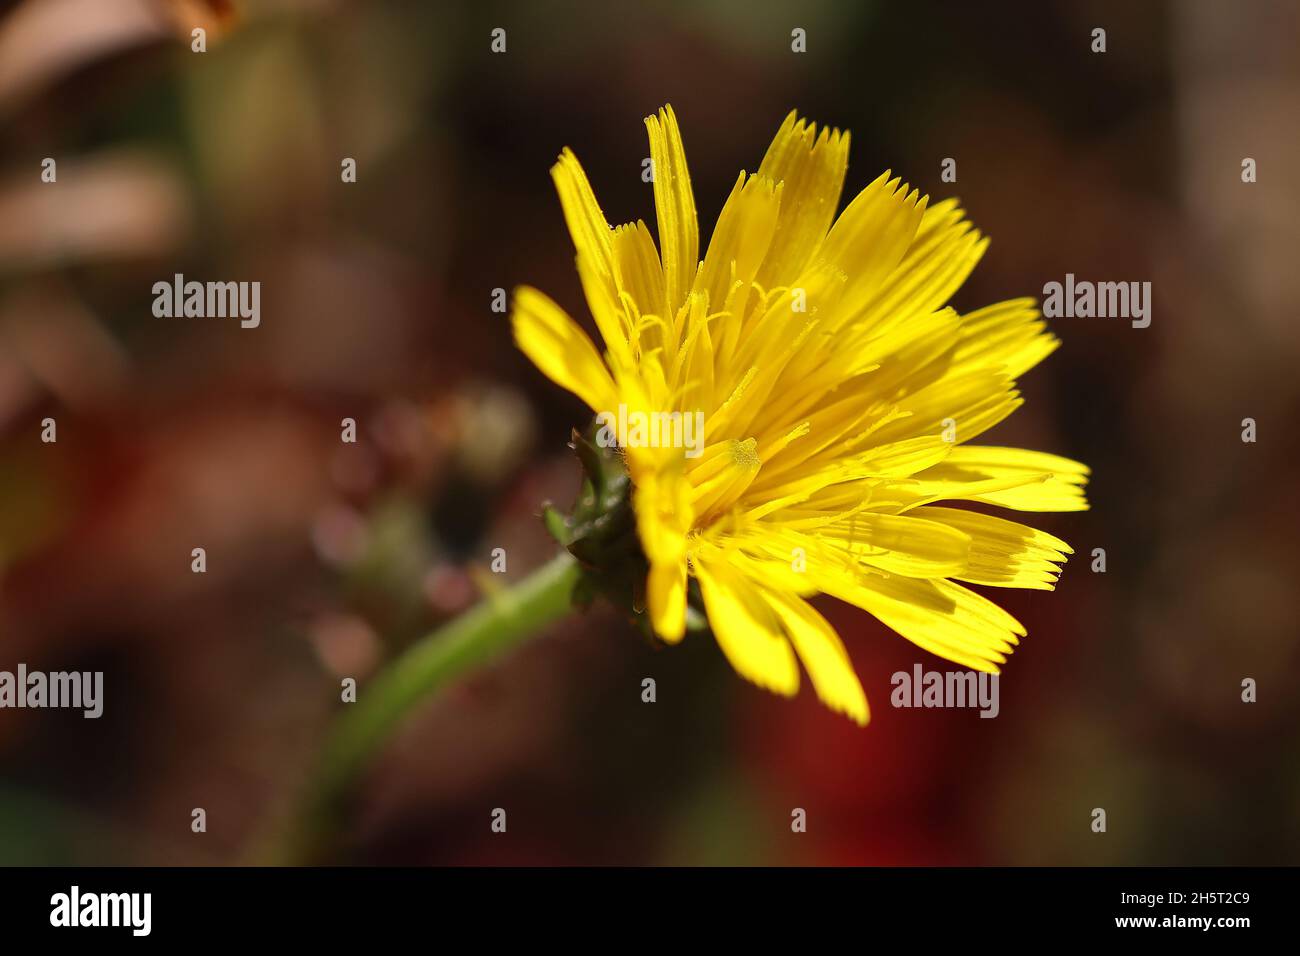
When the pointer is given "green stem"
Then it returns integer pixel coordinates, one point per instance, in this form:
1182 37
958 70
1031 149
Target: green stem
498 623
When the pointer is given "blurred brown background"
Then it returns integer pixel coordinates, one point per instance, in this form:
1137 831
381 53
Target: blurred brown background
325 559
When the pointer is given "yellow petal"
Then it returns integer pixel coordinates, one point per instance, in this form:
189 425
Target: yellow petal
904 544
593 239
1003 553
939 258
811 166
679 231
823 655
894 460
939 616
661 500
612 320
746 628
557 346
1010 477
870 238
693 369
666 599
587 224
959 408
740 239
907 357
638 273
1009 336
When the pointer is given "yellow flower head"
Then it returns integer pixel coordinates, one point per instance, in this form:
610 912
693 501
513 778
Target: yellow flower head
838 394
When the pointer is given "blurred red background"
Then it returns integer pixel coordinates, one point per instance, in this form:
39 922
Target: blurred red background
325 559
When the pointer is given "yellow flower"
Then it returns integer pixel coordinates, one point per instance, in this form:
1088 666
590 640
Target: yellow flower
838 393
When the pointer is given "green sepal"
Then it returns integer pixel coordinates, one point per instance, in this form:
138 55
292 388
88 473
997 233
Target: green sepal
601 533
